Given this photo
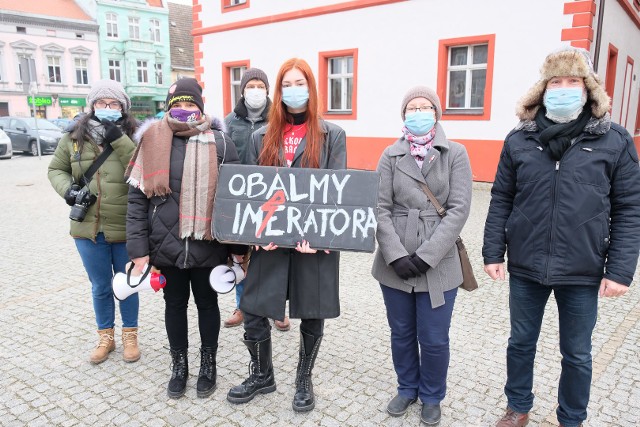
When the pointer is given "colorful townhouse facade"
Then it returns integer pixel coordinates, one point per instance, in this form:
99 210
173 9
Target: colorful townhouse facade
367 53
49 50
181 40
134 49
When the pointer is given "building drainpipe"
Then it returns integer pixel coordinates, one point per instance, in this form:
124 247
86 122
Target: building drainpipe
596 54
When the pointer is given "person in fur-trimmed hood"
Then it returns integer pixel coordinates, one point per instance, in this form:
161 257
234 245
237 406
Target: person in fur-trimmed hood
173 176
565 206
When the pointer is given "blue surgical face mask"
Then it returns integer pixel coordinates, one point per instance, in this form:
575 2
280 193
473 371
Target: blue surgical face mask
108 114
420 123
564 102
295 96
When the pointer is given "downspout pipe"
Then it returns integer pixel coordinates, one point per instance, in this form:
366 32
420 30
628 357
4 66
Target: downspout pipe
596 53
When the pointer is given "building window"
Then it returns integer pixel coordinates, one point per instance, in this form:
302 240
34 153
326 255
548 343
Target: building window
158 74
26 69
231 5
143 73
21 30
112 25
337 83
82 73
465 76
53 69
231 75
155 30
134 28
114 70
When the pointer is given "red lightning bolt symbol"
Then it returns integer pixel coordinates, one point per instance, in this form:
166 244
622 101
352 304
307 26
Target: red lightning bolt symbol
270 207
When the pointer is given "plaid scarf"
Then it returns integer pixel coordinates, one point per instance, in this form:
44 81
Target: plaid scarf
419 145
150 164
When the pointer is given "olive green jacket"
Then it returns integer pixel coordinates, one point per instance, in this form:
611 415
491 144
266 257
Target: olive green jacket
108 214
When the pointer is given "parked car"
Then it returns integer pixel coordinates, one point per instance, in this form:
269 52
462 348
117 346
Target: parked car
61 123
22 132
5 146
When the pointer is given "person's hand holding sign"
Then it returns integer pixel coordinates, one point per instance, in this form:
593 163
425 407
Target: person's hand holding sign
269 247
306 249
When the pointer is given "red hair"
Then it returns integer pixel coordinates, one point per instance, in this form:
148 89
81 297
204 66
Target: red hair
272 142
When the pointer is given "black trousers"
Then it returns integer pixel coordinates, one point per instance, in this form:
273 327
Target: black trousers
258 328
176 298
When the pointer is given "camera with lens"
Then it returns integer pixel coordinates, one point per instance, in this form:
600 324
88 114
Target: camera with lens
83 199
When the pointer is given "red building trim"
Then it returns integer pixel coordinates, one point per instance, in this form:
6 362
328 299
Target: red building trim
226 83
323 72
610 78
298 14
624 88
632 10
197 43
226 6
580 34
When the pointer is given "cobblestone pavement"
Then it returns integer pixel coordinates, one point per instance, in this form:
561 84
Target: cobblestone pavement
47 331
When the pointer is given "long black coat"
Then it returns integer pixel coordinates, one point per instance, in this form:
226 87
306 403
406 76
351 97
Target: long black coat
309 281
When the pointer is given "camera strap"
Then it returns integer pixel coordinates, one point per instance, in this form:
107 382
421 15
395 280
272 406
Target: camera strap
96 164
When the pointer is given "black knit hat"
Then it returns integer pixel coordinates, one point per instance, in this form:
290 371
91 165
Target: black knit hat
253 73
186 90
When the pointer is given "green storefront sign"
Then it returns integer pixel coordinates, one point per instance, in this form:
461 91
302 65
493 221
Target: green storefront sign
40 100
72 102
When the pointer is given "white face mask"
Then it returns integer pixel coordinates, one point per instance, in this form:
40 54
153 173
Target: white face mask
255 98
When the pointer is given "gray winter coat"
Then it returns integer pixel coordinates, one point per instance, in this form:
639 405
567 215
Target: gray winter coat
309 281
240 128
408 222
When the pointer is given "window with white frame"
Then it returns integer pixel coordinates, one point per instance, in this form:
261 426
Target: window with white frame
26 69
134 28
112 25
53 69
340 83
467 75
143 72
234 78
155 30
82 71
158 74
114 70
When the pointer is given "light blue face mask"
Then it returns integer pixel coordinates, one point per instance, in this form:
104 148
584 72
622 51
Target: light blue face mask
564 102
295 96
420 123
108 114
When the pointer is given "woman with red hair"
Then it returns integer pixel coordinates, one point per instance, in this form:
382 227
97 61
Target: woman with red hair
296 137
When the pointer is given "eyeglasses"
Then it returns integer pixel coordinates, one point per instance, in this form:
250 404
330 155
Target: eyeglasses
424 109
114 105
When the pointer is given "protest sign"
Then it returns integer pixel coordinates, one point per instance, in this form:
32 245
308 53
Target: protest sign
331 209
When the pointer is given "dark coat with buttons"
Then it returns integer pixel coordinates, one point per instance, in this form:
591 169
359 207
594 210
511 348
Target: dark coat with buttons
240 128
309 281
570 222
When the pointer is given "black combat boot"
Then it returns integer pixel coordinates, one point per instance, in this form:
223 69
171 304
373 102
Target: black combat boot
179 373
261 379
304 400
207 376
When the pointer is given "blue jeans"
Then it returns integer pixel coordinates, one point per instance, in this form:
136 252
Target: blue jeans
101 261
421 372
577 313
239 290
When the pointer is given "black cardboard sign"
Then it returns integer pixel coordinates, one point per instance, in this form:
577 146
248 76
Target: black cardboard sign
331 209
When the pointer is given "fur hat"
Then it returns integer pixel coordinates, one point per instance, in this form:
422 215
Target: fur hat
107 88
185 90
253 73
422 92
567 61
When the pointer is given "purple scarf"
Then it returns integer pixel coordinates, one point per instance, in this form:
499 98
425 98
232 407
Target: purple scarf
419 145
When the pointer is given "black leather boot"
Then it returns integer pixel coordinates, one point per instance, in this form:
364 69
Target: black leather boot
261 379
304 399
179 373
207 375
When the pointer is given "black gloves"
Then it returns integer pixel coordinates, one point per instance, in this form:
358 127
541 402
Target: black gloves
71 194
405 268
111 131
419 263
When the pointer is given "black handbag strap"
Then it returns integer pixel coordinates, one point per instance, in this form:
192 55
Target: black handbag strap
97 163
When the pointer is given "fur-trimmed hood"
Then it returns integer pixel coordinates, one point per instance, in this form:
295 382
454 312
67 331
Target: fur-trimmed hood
568 61
216 124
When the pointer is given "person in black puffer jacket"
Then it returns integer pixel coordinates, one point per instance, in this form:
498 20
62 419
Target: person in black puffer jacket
565 205
173 176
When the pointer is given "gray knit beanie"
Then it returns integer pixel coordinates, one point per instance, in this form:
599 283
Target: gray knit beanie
422 92
107 88
253 73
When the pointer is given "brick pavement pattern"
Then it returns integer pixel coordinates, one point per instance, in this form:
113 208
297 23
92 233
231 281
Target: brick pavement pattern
47 330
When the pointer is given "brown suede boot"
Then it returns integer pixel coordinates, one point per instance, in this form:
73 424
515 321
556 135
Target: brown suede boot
131 352
105 346
235 319
282 325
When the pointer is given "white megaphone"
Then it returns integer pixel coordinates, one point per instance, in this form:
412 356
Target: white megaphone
224 278
125 285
